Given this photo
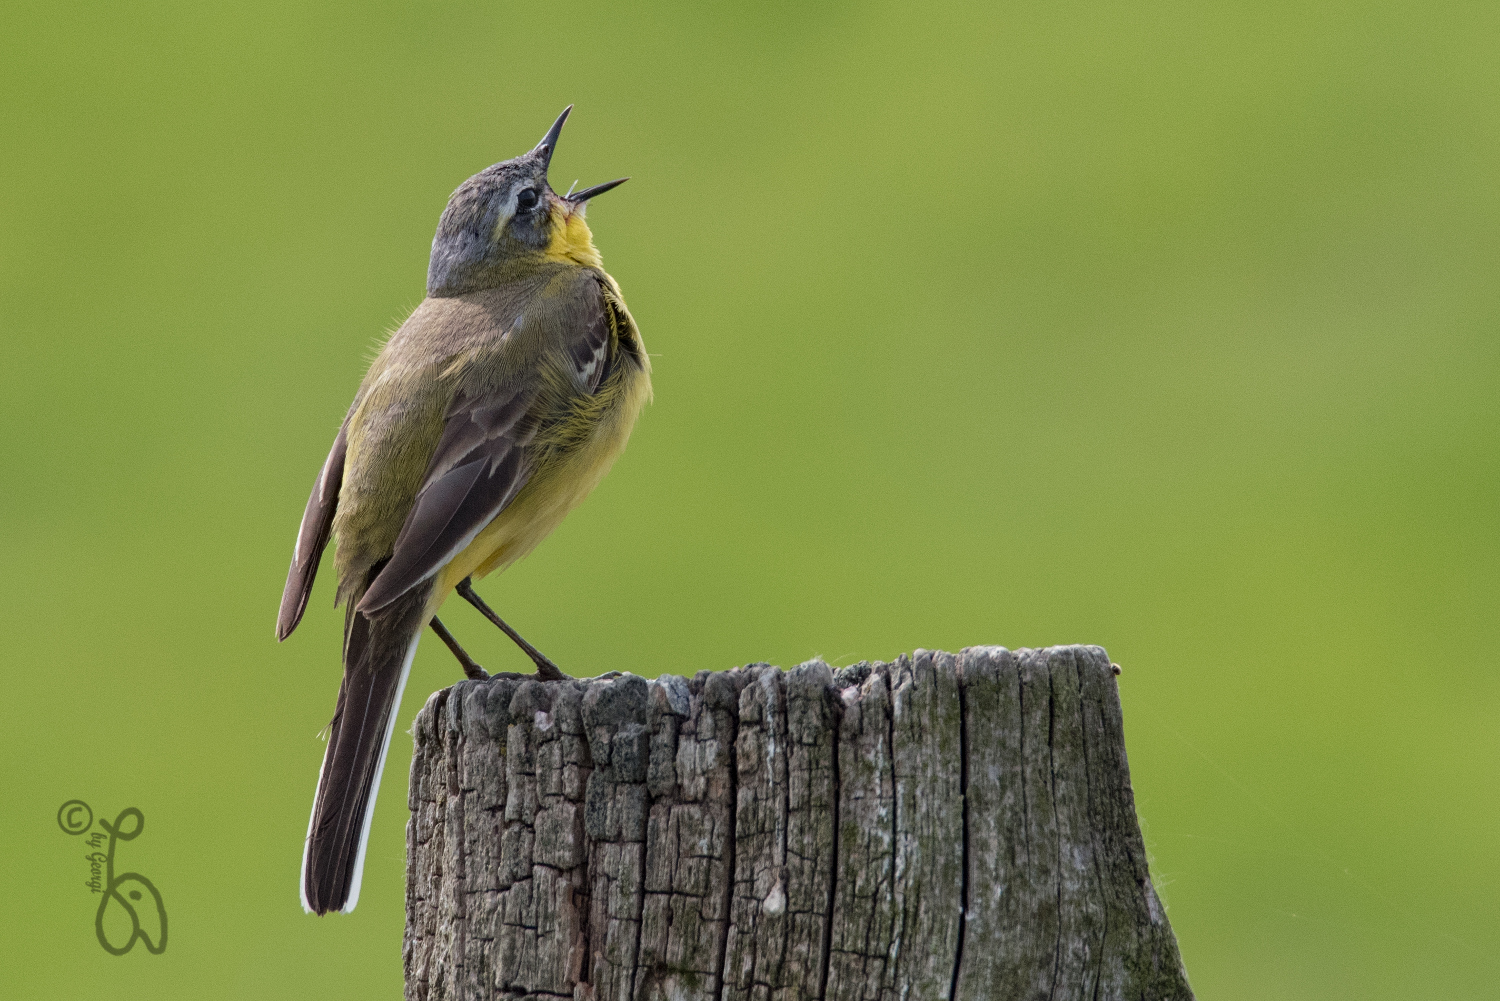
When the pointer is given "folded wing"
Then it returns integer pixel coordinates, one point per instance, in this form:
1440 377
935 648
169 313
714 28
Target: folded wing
485 457
480 464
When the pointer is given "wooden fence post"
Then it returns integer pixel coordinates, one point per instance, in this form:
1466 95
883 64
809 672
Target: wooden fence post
942 827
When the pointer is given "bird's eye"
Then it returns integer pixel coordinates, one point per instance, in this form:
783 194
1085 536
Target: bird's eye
526 200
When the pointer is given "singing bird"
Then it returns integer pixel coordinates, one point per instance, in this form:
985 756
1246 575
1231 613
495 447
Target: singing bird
491 412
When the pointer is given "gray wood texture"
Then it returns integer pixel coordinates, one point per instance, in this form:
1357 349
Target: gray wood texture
942 827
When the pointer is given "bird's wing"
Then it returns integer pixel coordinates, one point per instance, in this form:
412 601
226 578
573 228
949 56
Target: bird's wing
312 537
484 456
588 347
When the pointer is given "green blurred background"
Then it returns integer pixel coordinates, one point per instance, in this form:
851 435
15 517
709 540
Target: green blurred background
1168 328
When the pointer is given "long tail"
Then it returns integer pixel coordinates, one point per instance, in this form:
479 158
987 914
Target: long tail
377 659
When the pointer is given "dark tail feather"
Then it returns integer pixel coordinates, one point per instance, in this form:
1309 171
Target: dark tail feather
377 659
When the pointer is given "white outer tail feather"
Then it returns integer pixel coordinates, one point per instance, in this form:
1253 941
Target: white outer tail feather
364 833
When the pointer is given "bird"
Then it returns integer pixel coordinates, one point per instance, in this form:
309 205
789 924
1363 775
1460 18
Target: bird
491 412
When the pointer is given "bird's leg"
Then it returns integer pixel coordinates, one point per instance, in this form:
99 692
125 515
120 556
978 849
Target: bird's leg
545 669
471 670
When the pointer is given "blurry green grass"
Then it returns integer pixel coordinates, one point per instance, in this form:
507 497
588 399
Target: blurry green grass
1159 327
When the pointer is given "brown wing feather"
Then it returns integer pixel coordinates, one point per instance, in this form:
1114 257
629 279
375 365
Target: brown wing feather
589 351
312 537
480 464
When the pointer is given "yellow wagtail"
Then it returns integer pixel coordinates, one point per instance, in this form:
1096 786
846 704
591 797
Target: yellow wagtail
495 408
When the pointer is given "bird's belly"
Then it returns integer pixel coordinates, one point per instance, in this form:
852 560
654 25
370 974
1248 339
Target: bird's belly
547 498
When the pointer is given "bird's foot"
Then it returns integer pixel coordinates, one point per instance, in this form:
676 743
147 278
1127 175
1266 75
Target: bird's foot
546 670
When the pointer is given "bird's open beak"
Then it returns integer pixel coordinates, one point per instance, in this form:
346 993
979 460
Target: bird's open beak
579 197
548 146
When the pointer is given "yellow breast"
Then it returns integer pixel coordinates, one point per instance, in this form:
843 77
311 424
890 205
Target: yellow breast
551 493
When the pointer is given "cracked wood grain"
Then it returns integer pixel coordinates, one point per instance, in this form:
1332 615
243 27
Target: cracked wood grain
616 719
926 731
783 835
866 910
779 836
690 839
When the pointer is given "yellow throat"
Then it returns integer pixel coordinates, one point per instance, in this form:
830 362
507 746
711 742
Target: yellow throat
571 239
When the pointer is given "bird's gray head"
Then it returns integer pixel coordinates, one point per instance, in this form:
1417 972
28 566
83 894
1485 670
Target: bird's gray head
508 214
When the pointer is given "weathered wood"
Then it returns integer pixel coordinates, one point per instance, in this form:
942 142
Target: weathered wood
927 723
690 840
783 835
865 907
945 827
